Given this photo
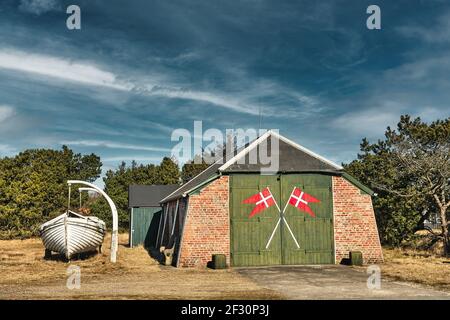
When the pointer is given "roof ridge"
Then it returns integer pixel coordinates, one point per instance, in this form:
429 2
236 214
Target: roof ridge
268 134
237 154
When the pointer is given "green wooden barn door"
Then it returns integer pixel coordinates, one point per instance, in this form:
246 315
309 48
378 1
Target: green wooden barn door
313 234
144 227
249 236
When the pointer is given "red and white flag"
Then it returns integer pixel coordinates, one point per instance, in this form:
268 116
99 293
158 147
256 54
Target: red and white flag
300 200
263 200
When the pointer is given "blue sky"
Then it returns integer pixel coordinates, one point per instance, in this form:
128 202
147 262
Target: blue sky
139 69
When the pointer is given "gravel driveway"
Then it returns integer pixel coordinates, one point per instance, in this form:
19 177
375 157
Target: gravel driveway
333 282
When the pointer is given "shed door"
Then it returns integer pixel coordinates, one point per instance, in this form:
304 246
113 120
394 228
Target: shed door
313 234
249 236
144 226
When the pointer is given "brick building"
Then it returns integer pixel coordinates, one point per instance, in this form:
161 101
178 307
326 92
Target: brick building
308 211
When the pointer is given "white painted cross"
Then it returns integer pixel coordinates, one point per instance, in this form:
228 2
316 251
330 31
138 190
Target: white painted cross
284 220
299 198
264 199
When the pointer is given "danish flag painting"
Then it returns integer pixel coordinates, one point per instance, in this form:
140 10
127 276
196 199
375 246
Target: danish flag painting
263 200
300 200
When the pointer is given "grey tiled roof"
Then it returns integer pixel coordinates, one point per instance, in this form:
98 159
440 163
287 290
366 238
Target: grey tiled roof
148 195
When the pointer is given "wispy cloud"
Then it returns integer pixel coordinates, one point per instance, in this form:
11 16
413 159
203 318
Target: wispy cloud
370 122
437 33
429 69
245 99
303 64
373 121
201 96
39 7
247 96
112 145
429 113
6 112
7 150
61 68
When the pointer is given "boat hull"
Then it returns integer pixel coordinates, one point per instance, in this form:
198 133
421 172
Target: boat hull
70 234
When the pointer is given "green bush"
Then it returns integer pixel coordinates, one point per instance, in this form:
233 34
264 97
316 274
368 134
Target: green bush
33 187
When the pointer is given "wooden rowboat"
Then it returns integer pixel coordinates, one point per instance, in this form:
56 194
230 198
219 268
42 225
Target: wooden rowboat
72 233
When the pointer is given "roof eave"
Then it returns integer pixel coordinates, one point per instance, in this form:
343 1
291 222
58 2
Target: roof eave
357 184
192 190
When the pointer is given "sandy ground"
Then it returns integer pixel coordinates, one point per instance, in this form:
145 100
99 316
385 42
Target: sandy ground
24 274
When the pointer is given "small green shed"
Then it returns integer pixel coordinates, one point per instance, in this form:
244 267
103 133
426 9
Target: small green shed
145 212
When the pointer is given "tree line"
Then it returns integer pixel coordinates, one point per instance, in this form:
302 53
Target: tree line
410 172
33 187
409 169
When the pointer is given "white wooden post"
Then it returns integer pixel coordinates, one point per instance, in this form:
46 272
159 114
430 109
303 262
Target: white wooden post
175 218
115 227
131 228
164 223
159 225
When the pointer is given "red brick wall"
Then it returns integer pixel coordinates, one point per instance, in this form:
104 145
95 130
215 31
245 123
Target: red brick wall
355 228
207 225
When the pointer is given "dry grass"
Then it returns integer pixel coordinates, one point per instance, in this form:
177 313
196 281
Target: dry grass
417 266
22 261
26 275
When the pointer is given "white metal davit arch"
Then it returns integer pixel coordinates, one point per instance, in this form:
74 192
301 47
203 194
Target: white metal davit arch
115 222
88 189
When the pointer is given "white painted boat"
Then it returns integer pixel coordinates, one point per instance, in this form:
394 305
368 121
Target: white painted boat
72 233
